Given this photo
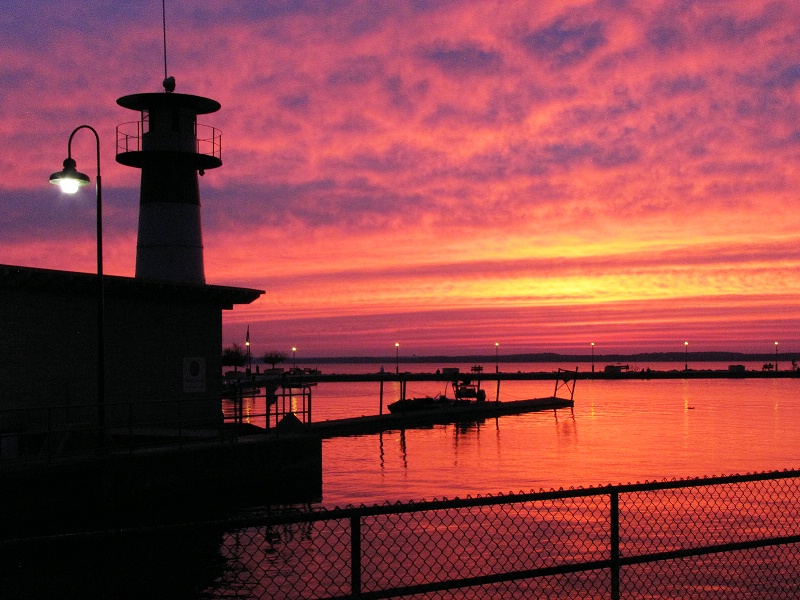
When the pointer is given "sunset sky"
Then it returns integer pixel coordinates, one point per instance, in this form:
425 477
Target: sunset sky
442 174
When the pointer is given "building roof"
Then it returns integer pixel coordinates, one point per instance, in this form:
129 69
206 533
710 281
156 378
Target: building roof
71 282
145 101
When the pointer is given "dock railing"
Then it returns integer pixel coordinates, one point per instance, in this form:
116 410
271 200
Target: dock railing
279 401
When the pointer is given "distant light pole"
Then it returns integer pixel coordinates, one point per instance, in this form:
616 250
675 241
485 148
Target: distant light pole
69 179
686 356
776 356
397 357
497 369
592 357
249 356
294 356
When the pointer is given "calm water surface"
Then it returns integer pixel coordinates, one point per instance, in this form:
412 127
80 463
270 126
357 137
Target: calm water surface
618 432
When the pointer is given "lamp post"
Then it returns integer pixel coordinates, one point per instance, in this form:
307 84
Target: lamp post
294 356
497 370
397 357
69 179
592 357
686 356
776 357
249 356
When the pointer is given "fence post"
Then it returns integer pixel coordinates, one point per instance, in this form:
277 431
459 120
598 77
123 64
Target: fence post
614 508
355 555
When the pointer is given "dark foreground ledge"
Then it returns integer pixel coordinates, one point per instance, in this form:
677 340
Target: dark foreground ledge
158 485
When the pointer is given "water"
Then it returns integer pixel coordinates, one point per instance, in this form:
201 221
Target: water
619 431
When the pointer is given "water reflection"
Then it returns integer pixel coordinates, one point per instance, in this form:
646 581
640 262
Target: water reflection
403 448
629 431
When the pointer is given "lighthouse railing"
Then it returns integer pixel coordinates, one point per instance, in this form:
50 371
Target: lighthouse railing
209 140
130 138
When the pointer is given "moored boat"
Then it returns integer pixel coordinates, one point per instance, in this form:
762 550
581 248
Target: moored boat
466 394
427 403
469 396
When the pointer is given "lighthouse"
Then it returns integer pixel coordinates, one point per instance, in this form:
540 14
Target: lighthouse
170 148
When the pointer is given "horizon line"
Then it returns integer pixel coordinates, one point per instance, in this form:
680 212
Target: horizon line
700 356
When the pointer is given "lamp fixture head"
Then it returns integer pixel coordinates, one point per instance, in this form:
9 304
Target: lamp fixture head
69 179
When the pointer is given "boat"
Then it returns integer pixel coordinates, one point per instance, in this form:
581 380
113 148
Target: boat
427 403
470 398
466 394
469 391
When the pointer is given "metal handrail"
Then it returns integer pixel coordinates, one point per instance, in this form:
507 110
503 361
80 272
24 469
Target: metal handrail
130 136
209 140
44 426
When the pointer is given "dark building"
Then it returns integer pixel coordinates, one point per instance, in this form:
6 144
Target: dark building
162 351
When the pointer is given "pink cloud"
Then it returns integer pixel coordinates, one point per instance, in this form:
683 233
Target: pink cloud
436 162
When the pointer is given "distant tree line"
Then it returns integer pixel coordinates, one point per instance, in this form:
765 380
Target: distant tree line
236 356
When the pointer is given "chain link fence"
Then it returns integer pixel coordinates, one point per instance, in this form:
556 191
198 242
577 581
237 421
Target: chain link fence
728 537
718 537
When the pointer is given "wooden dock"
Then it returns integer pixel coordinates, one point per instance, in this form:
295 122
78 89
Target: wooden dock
436 416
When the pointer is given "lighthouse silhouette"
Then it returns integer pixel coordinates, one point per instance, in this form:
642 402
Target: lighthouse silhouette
170 148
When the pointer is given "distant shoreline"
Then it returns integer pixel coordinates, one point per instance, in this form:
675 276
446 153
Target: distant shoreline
550 357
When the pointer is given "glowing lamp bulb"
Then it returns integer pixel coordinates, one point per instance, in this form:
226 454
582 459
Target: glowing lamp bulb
69 186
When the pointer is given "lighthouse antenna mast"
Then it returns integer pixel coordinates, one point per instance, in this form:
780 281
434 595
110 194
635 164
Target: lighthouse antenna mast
164 27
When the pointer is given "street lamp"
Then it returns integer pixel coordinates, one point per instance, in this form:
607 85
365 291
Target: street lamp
776 357
592 357
294 356
686 356
397 357
496 357
69 179
249 356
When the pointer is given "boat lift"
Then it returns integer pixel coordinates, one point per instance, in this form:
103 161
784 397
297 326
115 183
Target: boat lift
565 382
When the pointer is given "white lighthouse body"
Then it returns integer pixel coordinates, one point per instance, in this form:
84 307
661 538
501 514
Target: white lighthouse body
170 148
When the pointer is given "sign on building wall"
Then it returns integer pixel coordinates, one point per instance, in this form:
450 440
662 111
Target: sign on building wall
194 374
